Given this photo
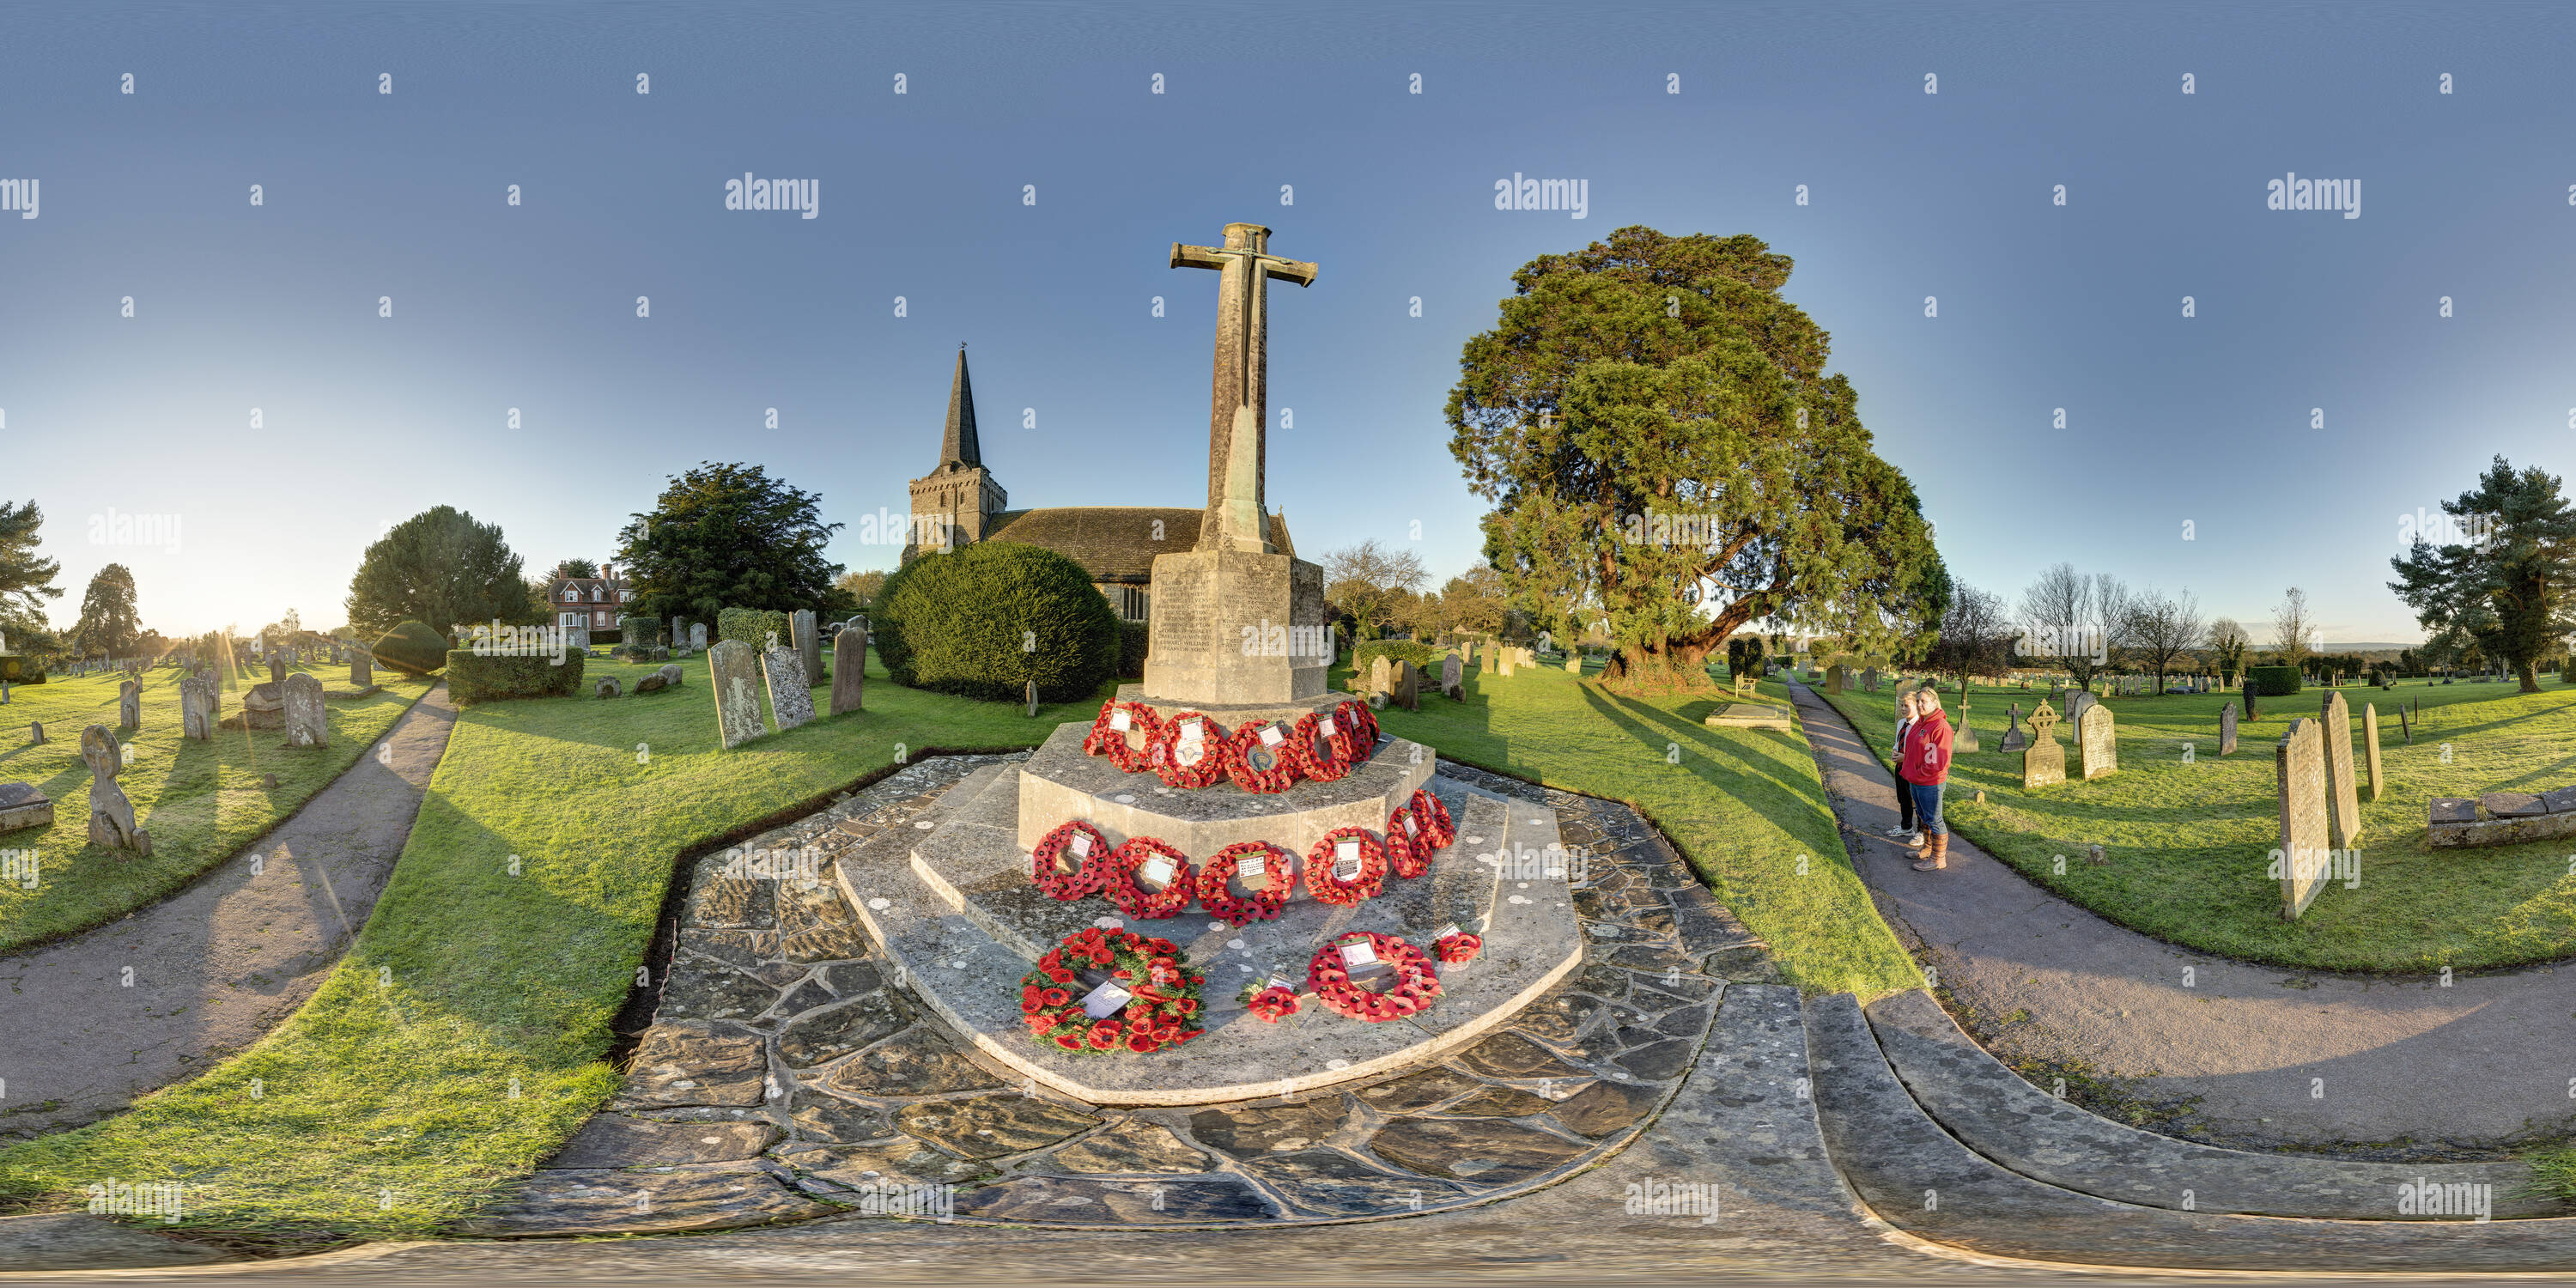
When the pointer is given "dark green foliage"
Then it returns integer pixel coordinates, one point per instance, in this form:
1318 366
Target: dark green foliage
1132 640
412 648
724 535
438 566
2503 573
472 678
753 626
2273 681
982 621
1744 655
107 626
22 575
1424 657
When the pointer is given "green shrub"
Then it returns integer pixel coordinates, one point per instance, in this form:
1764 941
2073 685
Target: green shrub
473 678
753 626
2273 681
412 648
1132 639
982 621
1424 657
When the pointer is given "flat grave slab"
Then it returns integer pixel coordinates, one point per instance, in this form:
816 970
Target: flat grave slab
1747 715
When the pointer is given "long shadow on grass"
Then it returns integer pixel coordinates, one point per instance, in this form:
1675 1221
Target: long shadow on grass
1715 750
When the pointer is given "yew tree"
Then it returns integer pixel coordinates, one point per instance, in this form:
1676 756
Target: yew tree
2504 572
1663 448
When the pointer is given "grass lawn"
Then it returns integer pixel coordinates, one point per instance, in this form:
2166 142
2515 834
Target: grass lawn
201 801
2189 844
387 1104
1746 807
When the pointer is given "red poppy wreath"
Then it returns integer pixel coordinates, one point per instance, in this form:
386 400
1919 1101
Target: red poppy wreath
1355 733
1107 739
1259 763
1328 886
1405 853
1265 903
1127 873
1163 994
1437 830
1071 862
1416 985
1163 756
1319 757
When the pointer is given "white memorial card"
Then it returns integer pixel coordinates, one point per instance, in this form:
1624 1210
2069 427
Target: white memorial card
1346 850
1082 845
1411 827
1449 931
1157 870
1118 720
1357 955
1270 736
1193 731
1105 1001
1328 726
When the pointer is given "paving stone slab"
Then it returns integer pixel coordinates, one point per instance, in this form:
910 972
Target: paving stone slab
646 1202
994 1125
900 1160
79 1241
1488 1151
919 1062
1336 1184
686 1063
616 1140
1132 1146
1084 1201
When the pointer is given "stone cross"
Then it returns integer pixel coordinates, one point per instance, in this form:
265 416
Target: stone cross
1964 738
2044 762
111 815
1238 403
2014 738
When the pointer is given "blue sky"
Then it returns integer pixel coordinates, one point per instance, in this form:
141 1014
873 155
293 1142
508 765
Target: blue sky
2205 420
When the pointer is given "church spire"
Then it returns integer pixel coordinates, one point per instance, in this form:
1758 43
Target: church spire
960 447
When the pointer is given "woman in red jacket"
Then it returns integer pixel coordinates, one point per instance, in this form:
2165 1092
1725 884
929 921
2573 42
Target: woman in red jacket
1924 765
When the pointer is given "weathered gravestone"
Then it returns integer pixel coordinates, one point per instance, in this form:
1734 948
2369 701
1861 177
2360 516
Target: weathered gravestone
809 641
1834 679
1574 661
697 637
1503 663
2227 730
129 705
362 670
1381 676
731 673
1453 677
1964 738
791 700
2370 747
849 669
200 701
668 677
2097 742
2298 772
307 725
2405 726
1408 687
2014 738
2044 762
111 815
2343 793
606 688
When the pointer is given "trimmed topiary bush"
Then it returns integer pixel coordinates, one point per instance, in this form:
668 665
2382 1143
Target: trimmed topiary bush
753 627
982 621
2273 681
1132 639
1424 657
412 648
473 678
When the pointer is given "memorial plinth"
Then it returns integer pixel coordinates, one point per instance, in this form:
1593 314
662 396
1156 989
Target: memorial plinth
1212 638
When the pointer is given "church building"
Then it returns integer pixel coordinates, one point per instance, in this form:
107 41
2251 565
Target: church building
959 502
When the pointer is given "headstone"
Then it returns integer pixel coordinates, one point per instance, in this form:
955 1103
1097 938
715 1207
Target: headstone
2044 762
1964 738
1408 686
1032 696
2343 793
2098 743
697 637
1381 678
1504 667
362 669
670 675
2227 730
277 669
307 723
2298 772
129 705
1574 661
2405 726
2370 748
1869 679
606 688
2014 738
791 700
36 733
21 805
849 669
2252 712
1834 679
730 672
111 815
809 641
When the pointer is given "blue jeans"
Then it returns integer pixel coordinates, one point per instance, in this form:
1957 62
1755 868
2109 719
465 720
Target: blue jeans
1927 808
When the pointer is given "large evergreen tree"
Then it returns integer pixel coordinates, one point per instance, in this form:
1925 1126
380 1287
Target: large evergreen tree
730 536
2505 588
108 624
22 574
1655 427
441 568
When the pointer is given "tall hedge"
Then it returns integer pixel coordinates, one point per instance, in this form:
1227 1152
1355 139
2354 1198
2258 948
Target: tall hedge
983 621
753 626
1424 657
412 648
475 678
2273 681
1133 637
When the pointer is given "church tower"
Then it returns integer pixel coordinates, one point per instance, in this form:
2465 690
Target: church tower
956 503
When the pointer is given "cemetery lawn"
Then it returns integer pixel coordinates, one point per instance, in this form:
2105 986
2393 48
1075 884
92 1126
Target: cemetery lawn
2189 844
386 1106
1746 807
201 801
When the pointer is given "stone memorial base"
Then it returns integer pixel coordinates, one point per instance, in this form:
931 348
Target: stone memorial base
1205 602
1235 715
962 920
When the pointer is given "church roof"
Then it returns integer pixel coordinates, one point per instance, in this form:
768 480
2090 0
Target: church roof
1115 543
958 446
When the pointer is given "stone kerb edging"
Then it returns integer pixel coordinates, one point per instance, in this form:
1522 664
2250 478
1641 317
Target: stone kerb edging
1995 1112
1917 1178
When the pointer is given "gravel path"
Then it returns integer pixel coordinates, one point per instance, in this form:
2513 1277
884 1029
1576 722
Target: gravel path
2405 1063
221 962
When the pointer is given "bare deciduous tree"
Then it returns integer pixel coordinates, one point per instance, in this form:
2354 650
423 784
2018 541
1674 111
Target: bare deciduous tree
2163 627
2073 621
1366 580
2291 627
1976 635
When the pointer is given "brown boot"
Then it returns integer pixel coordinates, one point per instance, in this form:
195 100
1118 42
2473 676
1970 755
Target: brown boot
1940 854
